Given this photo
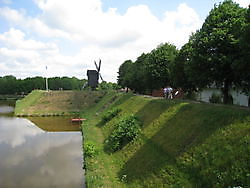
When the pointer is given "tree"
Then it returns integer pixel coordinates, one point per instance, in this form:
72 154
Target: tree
140 74
216 48
124 78
108 86
150 71
8 85
243 66
180 73
158 66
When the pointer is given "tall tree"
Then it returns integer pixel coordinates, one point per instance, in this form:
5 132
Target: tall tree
180 72
125 74
216 47
158 65
243 66
140 74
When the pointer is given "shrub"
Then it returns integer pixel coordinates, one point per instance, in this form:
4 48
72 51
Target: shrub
110 114
215 98
190 95
126 130
89 149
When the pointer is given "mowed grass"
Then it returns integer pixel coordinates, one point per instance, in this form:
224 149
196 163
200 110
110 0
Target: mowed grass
28 101
183 144
53 103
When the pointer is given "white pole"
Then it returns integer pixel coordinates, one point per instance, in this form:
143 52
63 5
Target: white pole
46 80
47 89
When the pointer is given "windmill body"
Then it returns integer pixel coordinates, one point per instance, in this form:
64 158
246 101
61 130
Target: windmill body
93 76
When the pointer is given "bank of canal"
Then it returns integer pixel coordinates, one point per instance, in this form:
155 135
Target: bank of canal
33 157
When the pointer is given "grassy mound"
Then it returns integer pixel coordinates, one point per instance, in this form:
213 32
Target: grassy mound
27 102
53 103
181 144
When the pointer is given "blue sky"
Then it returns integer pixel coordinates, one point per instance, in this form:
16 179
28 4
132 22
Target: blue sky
67 36
158 7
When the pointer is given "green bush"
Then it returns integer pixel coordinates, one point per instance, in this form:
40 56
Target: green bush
190 95
110 114
89 149
126 130
215 98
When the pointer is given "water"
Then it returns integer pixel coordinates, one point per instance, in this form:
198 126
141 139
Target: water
32 157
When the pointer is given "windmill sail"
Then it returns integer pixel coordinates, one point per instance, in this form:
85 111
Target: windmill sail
98 69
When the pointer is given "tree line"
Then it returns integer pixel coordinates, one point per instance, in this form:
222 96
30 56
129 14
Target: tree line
217 54
11 85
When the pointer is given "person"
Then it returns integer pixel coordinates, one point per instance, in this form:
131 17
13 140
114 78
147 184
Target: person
170 95
165 92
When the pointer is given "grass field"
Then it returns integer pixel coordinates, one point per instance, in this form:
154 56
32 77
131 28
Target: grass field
183 144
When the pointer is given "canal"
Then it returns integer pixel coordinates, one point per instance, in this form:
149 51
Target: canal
39 152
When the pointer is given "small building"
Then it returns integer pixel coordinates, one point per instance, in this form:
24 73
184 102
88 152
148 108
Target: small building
238 97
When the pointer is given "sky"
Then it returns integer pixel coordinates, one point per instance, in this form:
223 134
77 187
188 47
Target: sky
67 36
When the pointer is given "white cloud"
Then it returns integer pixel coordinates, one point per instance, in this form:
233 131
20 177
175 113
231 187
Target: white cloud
11 14
97 34
15 38
243 3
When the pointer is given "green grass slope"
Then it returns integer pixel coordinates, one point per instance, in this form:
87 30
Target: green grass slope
182 144
42 103
28 101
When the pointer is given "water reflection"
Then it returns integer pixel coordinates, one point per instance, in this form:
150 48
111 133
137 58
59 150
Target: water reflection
55 124
6 109
32 157
15 131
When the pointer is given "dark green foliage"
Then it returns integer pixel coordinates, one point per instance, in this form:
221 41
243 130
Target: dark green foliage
159 65
243 65
124 74
65 83
107 116
150 71
108 86
89 149
180 69
11 85
126 130
216 48
215 98
191 95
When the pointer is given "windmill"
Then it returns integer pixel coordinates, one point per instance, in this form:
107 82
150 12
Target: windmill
93 75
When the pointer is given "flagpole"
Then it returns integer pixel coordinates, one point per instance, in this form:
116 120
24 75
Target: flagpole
46 80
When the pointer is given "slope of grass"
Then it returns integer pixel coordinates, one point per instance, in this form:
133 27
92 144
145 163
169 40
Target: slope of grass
27 102
42 103
182 144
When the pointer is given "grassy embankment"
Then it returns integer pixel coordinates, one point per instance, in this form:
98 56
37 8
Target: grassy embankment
39 104
181 144
55 103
